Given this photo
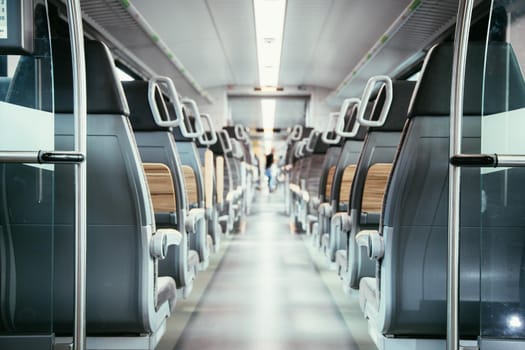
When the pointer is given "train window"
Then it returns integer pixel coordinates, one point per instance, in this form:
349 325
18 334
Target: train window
123 76
415 76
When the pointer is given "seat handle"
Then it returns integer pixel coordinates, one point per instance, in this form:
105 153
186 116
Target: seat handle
203 139
352 102
333 122
154 87
41 157
367 94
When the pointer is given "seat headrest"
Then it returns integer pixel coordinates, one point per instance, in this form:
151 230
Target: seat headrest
350 119
230 130
177 132
503 75
398 112
207 135
140 113
104 91
216 148
307 131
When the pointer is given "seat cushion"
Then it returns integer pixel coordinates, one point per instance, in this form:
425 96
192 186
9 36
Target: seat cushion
368 297
166 292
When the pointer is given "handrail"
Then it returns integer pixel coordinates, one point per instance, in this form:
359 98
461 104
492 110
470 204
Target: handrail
456 113
203 139
333 119
171 91
74 14
367 94
353 102
199 128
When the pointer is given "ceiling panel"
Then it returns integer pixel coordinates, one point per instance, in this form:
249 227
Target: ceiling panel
235 24
187 28
289 111
304 23
324 40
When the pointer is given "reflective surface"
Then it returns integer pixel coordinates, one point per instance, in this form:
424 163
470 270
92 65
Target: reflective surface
502 220
267 293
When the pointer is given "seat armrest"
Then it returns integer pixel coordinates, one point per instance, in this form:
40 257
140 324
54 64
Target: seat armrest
315 202
325 209
343 219
161 240
373 242
194 216
294 188
306 196
166 219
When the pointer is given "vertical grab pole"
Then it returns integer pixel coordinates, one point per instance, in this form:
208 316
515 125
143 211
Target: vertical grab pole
80 111
456 115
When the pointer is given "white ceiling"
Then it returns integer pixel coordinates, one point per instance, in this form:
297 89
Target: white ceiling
214 39
324 41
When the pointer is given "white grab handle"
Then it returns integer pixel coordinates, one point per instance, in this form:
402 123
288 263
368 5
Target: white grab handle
347 104
153 89
369 89
203 139
199 128
334 119
226 143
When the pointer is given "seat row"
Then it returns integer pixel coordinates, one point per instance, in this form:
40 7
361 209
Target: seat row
162 192
378 210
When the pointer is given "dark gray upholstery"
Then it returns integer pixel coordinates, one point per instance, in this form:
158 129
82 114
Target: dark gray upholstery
413 272
156 145
120 270
351 150
348 155
214 230
380 146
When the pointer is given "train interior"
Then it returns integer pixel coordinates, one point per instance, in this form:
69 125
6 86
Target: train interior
262 174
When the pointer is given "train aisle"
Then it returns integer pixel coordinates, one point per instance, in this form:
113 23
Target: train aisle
269 290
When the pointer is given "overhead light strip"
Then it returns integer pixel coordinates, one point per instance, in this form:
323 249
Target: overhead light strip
269 28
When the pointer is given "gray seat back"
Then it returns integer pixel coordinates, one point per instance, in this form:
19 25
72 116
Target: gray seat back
189 156
379 149
349 154
157 145
415 212
120 270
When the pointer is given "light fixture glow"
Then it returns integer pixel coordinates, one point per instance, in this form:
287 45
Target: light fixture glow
269 27
514 322
268 119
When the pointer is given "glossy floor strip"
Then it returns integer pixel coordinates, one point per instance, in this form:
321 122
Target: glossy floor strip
267 290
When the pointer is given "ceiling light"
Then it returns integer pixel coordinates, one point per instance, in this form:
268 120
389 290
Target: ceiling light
269 27
268 119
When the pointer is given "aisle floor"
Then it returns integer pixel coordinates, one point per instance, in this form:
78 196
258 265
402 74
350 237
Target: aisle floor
267 289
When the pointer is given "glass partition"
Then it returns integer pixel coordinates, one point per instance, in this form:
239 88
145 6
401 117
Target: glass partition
502 189
26 190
